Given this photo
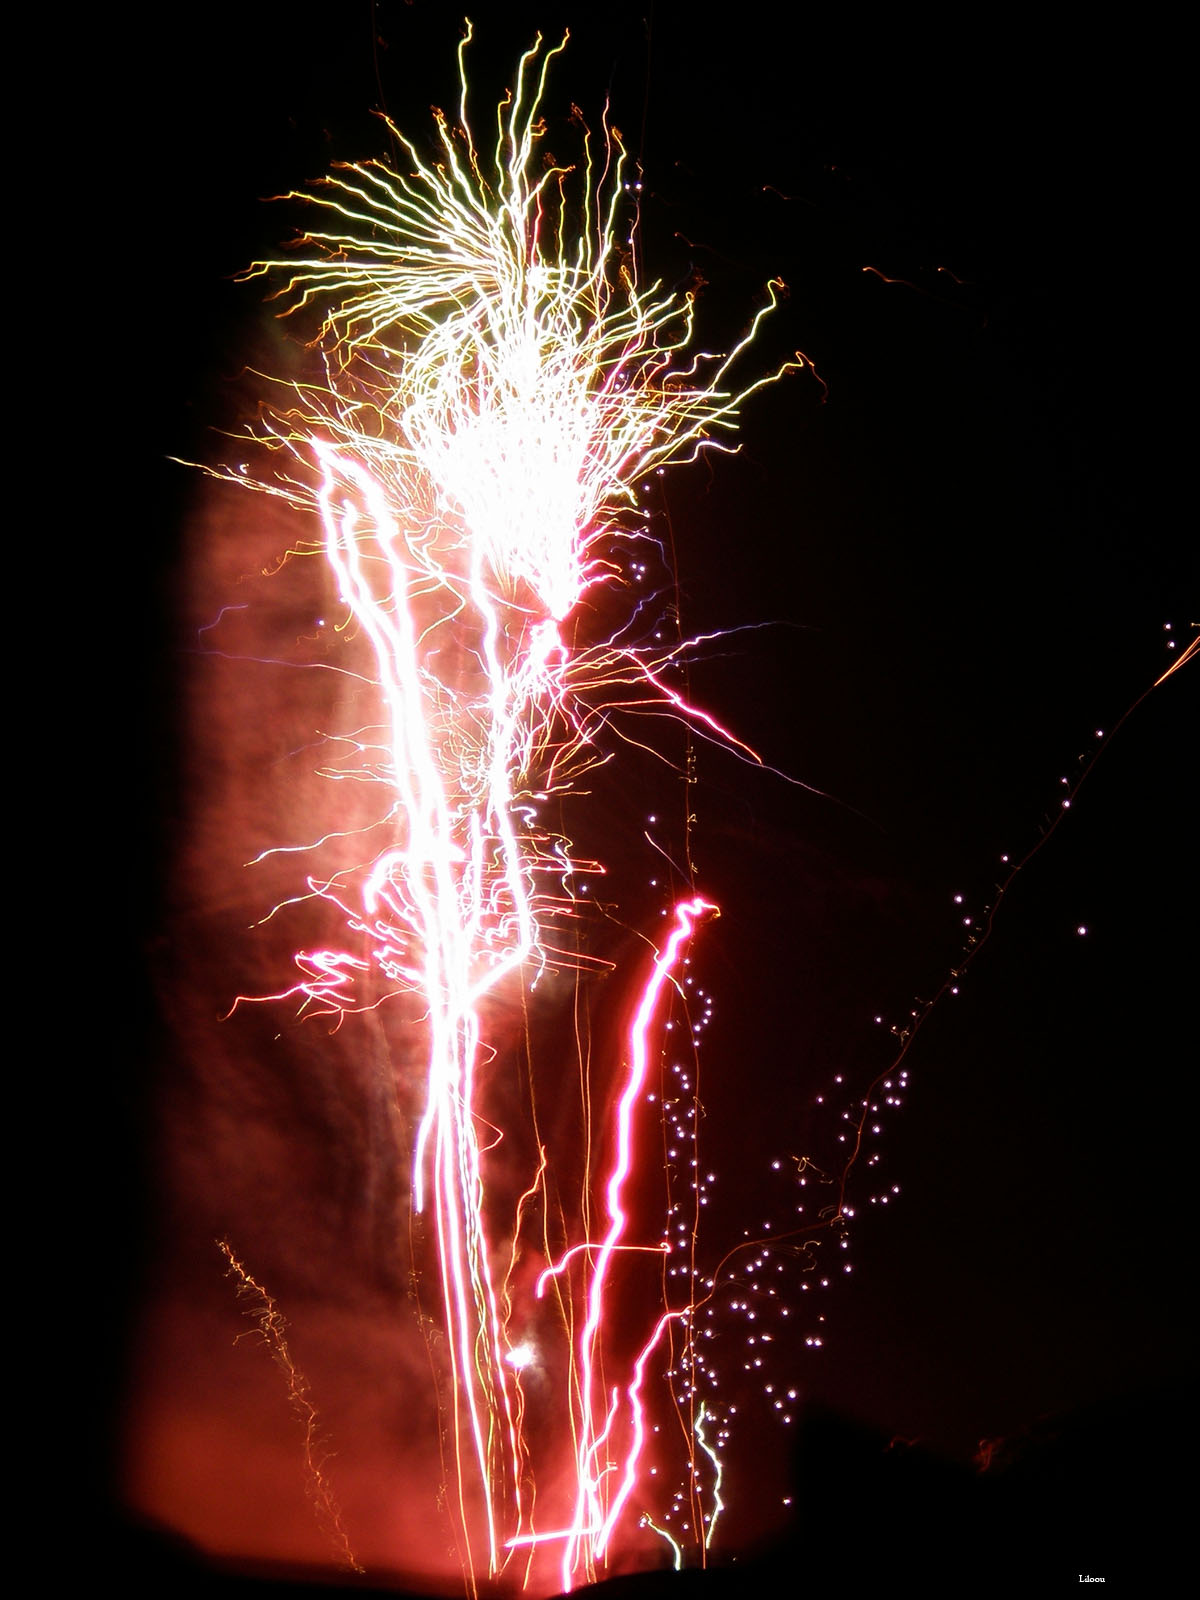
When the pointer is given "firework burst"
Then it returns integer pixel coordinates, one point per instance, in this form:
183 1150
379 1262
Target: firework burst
493 387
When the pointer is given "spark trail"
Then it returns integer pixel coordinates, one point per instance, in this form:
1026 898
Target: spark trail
272 1328
494 387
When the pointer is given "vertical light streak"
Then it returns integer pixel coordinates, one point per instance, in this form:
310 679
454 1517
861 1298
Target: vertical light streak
420 887
718 1503
594 1523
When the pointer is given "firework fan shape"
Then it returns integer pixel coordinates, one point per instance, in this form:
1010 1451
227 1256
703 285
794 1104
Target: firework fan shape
494 385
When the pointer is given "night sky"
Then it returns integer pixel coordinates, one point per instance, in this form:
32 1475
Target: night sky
951 561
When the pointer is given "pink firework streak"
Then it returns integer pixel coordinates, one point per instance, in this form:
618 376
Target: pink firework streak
594 1521
495 386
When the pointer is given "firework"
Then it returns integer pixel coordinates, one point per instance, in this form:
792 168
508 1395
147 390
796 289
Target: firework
493 387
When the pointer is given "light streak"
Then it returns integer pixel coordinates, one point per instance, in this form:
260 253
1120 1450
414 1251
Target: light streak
593 1523
494 388
676 1549
718 1503
272 1327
